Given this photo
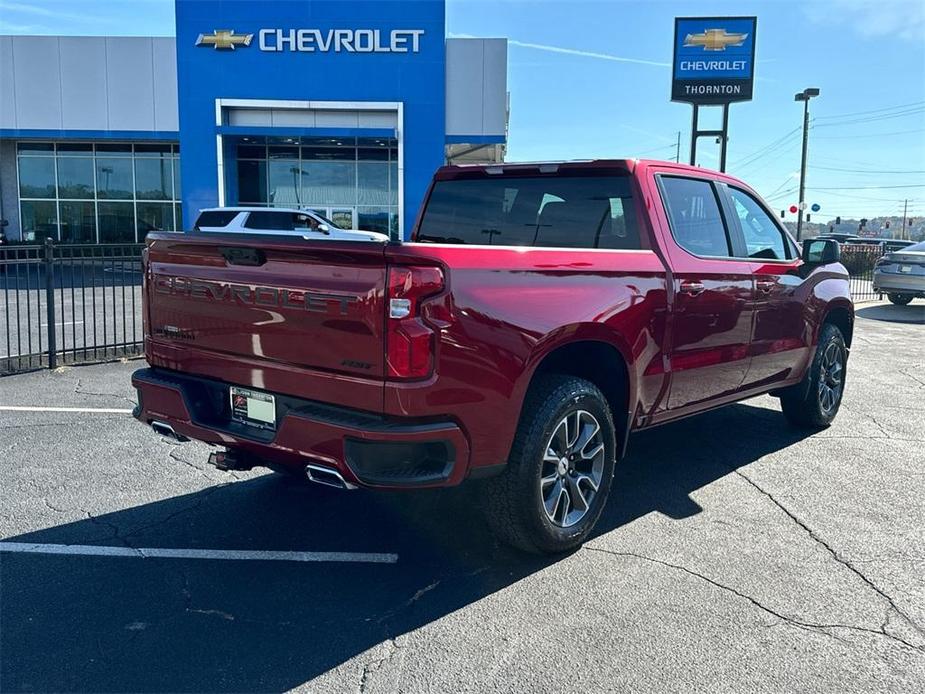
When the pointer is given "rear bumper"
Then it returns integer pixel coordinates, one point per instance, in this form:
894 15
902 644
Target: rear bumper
899 283
366 449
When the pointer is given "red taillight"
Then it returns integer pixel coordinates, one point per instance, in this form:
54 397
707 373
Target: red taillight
409 341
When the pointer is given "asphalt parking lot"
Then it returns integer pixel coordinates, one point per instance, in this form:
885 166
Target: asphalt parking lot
736 554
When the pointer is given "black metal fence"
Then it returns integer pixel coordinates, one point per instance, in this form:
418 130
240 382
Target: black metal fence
69 304
860 261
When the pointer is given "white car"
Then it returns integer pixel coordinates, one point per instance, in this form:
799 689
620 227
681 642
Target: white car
278 221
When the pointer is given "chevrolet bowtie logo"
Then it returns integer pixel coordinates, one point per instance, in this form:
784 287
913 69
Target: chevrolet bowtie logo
714 40
224 38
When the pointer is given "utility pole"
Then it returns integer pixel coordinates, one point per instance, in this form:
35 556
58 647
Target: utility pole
905 210
677 152
804 96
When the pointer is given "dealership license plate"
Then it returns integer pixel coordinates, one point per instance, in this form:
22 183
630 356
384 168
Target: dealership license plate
253 407
905 268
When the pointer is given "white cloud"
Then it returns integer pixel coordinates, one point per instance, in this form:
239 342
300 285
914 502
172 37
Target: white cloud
573 51
891 19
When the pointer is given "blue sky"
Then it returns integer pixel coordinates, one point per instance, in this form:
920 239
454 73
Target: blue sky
591 79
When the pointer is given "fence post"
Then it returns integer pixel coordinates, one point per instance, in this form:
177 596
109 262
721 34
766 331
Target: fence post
49 261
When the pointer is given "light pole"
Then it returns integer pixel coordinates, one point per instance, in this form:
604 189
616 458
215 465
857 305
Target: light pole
804 96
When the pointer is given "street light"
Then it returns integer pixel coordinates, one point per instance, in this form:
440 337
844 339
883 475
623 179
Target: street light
804 96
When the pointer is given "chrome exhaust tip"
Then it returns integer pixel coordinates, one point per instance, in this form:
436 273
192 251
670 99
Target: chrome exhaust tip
327 477
167 431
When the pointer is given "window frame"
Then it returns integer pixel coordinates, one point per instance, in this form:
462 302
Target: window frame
789 246
66 149
733 240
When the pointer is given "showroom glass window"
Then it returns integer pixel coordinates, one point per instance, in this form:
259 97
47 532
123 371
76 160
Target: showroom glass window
350 180
106 192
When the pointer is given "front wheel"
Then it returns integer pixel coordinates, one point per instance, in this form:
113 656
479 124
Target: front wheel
561 467
899 299
814 402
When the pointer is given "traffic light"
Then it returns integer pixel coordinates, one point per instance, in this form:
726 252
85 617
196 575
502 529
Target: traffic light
837 221
886 225
807 217
782 213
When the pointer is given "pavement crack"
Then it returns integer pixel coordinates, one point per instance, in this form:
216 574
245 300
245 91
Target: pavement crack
832 552
80 391
792 621
391 648
202 496
116 534
175 456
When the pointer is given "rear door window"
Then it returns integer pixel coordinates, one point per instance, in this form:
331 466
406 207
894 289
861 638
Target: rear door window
693 212
215 218
542 211
269 221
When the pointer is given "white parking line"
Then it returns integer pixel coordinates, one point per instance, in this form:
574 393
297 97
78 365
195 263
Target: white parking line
224 554
92 410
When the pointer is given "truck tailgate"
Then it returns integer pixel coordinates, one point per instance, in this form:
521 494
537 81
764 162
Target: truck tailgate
302 317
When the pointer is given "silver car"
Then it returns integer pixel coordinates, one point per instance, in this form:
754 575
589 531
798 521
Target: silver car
901 274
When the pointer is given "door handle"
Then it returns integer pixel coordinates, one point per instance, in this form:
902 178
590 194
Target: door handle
692 287
765 285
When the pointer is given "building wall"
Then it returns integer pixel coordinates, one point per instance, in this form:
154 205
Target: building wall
476 89
417 80
128 89
72 86
9 190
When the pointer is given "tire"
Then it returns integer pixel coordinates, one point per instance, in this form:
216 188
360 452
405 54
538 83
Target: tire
516 502
814 402
899 299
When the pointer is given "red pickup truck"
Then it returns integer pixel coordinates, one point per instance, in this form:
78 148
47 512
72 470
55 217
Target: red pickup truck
541 313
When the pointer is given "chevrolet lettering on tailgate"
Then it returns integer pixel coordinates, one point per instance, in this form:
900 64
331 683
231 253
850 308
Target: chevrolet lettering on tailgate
318 302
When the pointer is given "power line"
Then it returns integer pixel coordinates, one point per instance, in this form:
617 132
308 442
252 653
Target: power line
884 116
867 171
768 147
852 137
876 110
657 149
909 185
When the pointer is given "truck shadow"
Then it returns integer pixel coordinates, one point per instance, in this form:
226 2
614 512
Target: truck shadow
76 623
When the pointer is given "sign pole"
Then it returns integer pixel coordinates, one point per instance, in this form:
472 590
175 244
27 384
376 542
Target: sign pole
724 138
694 135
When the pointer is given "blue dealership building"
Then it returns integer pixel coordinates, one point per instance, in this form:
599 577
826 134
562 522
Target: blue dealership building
342 106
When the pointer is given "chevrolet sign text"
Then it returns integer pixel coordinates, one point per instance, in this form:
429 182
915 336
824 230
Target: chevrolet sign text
340 40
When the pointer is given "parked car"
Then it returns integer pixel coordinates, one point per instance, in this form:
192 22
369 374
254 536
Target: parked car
278 221
901 274
845 238
541 314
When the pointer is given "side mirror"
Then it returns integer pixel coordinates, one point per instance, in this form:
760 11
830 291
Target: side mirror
820 251
324 228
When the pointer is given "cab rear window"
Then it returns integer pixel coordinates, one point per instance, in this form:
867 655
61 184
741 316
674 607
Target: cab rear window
540 211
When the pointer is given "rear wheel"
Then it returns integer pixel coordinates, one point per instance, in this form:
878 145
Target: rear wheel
561 467
899 299
815 401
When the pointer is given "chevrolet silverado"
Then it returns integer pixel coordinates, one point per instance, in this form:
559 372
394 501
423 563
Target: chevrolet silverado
540 314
